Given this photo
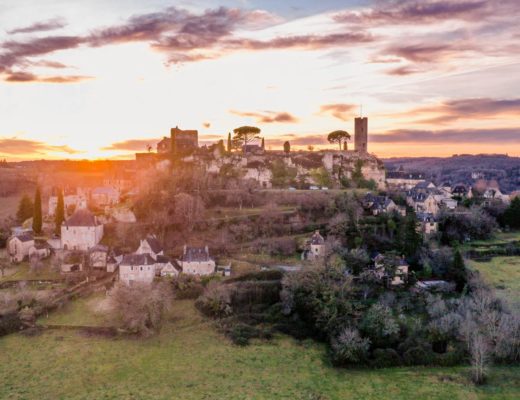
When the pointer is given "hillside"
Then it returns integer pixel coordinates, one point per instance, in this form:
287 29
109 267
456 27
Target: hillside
459 168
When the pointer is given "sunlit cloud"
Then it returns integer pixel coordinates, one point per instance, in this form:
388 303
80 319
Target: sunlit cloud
48 25
16 146
267 117
341 111
133 145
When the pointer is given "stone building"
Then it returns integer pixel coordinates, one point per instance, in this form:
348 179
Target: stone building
361 134
150 245
81 231
137 268
196 261
315 247
18 247
184 141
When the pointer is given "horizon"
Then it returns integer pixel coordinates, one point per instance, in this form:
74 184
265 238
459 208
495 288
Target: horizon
102 80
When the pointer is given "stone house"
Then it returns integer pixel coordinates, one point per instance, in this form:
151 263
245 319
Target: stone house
76 201
81 231
315 248
381 204
98 257
137 268
423 202
196 261
428 225
18 247
105 196
165 267
150 245
41 249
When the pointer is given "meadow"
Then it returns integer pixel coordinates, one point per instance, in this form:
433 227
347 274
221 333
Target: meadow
503 274
190 359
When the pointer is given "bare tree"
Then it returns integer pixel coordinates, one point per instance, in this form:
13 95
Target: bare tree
139 308
480 351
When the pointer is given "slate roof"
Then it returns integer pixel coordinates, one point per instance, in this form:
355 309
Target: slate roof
195 254
137 259
425 217
25 237
154 244
99 247
317 238
81 217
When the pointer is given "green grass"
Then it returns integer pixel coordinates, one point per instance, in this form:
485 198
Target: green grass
501 238
86 311
23 271
189 359
503 273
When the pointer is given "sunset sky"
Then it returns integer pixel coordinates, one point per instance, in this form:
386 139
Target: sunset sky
105 78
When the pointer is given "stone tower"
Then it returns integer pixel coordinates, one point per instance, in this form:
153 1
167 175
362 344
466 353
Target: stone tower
361 134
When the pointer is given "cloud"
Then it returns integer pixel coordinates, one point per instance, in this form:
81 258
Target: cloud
341 111
403 71
26 77
402 12
424 52
49 25
133 144
449 136
299 140
478 108
267 117
17 146
182 35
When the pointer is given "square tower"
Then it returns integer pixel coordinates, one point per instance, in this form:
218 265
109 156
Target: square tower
361 134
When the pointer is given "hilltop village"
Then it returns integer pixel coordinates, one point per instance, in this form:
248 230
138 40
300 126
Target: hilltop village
322 244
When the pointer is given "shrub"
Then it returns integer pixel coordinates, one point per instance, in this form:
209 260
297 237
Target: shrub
349 347
187 287
380 325
139 308
240 333
384 358
419 355
215 301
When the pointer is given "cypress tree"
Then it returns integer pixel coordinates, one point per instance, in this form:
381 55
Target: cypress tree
511 216
25 209
287 147
412 240
37 214
59 215
263 144
457 271
229 142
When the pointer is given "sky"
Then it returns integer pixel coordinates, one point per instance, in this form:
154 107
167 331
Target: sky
107 78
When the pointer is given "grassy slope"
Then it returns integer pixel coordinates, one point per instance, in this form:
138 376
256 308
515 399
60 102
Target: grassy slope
9 205
191 360
503 273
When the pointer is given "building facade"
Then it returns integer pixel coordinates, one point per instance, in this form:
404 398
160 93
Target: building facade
81 231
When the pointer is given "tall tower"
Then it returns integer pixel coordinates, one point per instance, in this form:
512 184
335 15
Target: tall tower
361 134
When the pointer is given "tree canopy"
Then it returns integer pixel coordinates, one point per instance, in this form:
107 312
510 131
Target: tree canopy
245 135
339 137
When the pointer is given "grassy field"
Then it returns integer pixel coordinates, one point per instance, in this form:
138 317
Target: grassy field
503 273
189 359
22 271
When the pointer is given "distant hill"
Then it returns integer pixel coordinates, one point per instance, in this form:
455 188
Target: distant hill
464 168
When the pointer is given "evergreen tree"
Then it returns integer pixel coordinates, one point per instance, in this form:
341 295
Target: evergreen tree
229 144
37 213
511 216
59 215
411 238
25 209
263 144
457 271
287 147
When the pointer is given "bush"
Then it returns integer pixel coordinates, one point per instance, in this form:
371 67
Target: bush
384 358
187 287
215 301
140 308
240 333
419 355
349 348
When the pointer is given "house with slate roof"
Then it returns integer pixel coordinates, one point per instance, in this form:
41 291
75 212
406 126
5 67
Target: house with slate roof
18 247
81 231
137 268
196 261
150 245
